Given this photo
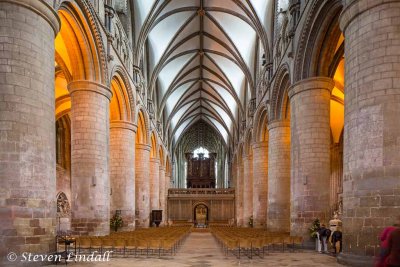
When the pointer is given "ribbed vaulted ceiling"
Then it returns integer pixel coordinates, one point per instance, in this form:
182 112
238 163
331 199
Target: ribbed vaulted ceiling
203 57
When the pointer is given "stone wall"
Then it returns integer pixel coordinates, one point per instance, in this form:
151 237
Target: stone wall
371 186
27 128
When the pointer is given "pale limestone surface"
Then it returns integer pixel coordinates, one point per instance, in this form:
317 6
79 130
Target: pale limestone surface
279 177
260 184
310 152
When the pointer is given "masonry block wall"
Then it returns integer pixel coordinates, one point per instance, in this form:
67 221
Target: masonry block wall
90 184
247 189
27 135
142 185
239 193
371 196
278 218
260 183
310 152
122 171
154 184
162 198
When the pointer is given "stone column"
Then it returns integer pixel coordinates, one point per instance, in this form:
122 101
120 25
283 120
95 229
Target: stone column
122 171
310 152
239 193
260 184
154 184
142 183
167 186
278 215
162 191
371 186
247 189
90 183
27 128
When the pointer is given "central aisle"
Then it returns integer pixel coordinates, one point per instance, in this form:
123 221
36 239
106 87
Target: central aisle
200 249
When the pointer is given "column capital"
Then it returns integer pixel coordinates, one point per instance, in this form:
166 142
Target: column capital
91 86
162 168
143 146
278 123
123 125
354 8
41 8
262 144
311 84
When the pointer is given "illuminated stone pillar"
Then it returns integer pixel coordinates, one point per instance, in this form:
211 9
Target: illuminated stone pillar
260 183
278 218
154 183
122 171
310 152
162 191
142 185
90 183
247 189
371 136
27 128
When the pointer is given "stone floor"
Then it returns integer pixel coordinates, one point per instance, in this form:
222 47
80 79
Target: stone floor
202 250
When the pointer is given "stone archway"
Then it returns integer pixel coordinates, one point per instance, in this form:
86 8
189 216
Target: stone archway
200 215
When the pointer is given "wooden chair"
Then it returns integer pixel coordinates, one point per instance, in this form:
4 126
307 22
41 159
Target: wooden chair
96 243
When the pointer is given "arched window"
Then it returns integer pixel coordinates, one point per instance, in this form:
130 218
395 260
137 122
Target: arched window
197 152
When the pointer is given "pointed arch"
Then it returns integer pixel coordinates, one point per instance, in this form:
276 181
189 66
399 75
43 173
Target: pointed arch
168 170
154 145
313 52
161 156
119 73
142 132
84 56
248 150
279 101
120 108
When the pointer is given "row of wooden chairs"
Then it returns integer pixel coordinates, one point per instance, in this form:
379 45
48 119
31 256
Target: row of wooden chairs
152 241
250 241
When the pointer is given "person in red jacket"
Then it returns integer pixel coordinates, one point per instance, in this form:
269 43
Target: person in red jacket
384 246
393 258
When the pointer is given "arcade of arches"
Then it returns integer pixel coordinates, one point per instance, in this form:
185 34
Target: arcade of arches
103 103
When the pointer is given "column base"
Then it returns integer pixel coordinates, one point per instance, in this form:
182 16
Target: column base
355 260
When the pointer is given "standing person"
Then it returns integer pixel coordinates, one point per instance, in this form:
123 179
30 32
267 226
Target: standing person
393 249
337 237
384 246
324 234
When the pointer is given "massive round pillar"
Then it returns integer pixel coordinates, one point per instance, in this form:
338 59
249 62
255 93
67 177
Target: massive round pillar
142 183
239 193
27 128
154 184
162 198
371 137
278 218
122 171
310 152
90 183
247 189
167 186
260 183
